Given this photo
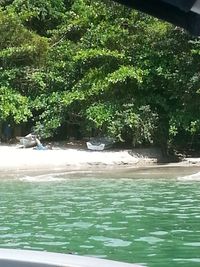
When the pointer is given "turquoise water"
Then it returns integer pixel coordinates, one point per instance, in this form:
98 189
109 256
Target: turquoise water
155 222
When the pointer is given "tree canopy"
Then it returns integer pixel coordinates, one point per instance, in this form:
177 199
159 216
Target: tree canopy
101 68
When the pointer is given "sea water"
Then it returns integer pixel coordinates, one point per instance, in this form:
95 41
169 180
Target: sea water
147 217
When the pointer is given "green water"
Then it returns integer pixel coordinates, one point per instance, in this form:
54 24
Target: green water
155 222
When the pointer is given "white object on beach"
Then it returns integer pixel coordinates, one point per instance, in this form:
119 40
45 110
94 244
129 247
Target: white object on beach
99 144
97 147
28 258
28 141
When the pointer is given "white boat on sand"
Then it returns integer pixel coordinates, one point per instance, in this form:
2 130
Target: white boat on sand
28 258
100 144
28 141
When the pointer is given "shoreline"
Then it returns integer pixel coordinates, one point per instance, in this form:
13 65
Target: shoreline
14 159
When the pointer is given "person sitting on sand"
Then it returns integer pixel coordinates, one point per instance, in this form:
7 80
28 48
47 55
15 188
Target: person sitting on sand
39 144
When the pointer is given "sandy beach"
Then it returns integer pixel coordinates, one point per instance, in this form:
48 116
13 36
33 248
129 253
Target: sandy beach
13 158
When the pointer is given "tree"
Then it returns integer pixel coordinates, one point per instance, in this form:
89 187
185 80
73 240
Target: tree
22 52
105 68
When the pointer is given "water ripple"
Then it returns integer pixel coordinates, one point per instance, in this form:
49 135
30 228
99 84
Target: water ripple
131 220
111 242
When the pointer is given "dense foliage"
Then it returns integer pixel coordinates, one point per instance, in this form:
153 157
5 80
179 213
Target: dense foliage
98 68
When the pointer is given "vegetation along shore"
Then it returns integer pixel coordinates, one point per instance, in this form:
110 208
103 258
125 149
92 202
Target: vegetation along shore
96 68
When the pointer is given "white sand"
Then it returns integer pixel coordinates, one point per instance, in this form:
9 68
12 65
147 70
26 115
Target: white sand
13 158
